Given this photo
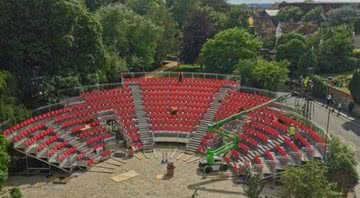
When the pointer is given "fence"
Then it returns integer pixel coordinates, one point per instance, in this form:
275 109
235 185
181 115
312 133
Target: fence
192 75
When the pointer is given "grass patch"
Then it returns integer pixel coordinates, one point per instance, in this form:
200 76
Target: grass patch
186 68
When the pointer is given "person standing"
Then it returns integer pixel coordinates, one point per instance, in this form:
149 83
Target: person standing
338 107
329 99
180 77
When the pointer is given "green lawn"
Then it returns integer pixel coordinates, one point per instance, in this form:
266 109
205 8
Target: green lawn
186 68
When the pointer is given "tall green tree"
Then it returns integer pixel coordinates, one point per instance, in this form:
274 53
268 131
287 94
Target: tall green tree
306 61
316 15
4 160
290 14
341 166
56 37
289 47
238 16
181 8
263 74
218 5
159 14
343 15
221 53
9 105
197 29
93 5
307 181
354 86
131 36
335 49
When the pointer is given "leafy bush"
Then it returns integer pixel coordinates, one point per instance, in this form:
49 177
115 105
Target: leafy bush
15 193
320 88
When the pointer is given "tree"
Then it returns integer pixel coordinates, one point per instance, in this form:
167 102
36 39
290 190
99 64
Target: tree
218 19
343 15
306 61
316 15
285 38
57 37
335 49
289 49
93 5
228 48
290 14
131 36
181 8
341 166
9 105
254 186
354 86
264 74
4 160
197 30
307 181
238 16
218 5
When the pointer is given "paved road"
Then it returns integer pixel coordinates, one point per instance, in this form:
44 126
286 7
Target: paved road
344 127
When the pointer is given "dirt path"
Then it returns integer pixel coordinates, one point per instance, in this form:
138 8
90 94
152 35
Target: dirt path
168 66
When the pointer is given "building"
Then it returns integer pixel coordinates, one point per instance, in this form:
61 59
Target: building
303 28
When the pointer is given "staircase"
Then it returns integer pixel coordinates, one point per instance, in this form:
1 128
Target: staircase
142 124
207 119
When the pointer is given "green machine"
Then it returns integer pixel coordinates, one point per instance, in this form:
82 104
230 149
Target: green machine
213 161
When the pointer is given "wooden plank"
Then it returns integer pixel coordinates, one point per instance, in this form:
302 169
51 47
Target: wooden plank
125 176
173 154
101 171
112 164
105 167
137 156
193 160
178 157
146 156
117 160
188 158
155 154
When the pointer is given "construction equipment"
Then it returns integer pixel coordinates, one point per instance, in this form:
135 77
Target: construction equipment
214 160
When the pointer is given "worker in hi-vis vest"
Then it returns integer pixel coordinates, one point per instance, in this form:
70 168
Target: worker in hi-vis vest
292 131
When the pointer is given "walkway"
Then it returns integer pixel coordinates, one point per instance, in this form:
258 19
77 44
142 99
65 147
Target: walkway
166 67
345 127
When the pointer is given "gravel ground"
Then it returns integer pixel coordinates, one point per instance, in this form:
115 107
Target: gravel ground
91 184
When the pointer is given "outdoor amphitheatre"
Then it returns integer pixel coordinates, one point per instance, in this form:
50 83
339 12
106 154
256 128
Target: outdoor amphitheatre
247 128
179 98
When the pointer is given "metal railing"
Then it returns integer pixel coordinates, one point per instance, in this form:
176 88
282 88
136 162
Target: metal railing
168 74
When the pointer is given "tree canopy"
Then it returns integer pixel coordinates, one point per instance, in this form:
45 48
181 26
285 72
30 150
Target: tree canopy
335 49
289 47
57 37
228 48
122 31
197 30
290 14
263 74
307 181
316 15
341 166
